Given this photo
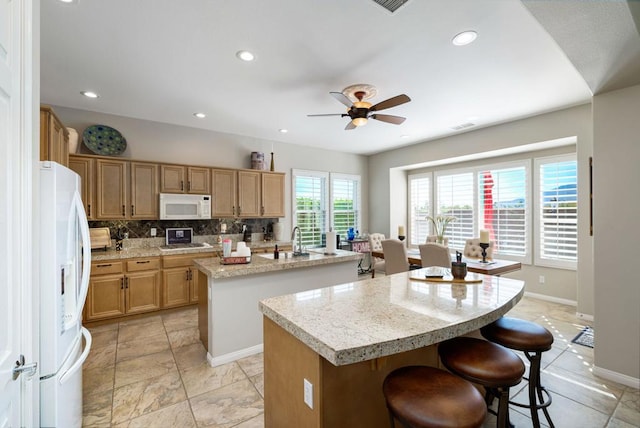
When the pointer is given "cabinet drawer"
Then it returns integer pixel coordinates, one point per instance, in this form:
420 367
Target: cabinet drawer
185 260
143 264
106 267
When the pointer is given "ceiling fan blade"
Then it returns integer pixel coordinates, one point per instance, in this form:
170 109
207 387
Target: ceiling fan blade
396 120
342 98
391 102
328 114
349 126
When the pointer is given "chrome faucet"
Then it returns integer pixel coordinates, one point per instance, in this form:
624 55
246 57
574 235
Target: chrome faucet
297 251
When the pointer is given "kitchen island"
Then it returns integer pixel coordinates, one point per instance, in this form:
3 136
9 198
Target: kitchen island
337 344
229 320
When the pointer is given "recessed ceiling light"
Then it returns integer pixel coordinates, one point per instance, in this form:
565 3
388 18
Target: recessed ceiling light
464 38
67 1
283 131
200 115
404 136
89 94
245 55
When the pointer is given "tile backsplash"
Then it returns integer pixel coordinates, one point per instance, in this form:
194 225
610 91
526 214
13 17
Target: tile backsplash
142 228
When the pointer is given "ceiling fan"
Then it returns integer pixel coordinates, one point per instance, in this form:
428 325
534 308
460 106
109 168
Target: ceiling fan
360 111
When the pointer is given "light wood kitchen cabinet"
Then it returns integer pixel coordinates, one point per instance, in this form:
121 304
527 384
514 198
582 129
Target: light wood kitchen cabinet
115 291
180 279
249 194
272 194
225 192
185 179
54 137
260 194
111 189
85 168
144 191
126 190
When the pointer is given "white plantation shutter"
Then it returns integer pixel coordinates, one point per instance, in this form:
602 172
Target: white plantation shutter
419 208
345 203
557 209
310 206
503 209
455 196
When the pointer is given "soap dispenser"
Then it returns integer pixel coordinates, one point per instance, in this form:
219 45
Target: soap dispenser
276 253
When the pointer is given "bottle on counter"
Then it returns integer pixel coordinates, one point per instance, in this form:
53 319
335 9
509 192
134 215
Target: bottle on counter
276 253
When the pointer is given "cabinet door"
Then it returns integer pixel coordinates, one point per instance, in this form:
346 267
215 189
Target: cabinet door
272 195
249 194
144 191
199 181
142 291
175 287
54 138
84 167
105 297
224 193
111 185
193 298
172 179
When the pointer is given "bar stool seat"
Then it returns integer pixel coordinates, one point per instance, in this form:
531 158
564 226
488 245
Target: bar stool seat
532 339
487 364
427 397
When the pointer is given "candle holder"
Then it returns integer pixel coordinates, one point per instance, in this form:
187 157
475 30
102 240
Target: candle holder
484 247
401 237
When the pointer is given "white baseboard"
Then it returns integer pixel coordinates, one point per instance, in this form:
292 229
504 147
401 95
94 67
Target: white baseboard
585 317
617 377
233 356
551 298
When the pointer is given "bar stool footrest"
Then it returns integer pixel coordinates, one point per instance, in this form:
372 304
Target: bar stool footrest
544 405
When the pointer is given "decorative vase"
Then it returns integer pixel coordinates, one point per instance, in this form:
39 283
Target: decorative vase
440 239
272 165
458 270
73 140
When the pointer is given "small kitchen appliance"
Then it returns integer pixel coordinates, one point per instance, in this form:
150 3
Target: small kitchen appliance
185 207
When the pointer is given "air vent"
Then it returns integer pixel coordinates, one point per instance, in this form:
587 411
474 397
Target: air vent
463 126
391 5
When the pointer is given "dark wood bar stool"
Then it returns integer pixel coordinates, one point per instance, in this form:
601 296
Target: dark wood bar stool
532 339
427 397
492 366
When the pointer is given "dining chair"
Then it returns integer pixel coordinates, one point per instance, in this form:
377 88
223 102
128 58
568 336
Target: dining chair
395 256
433 254
434 238
473 250
375 244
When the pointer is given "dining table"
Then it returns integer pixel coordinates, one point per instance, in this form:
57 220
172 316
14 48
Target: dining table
491 267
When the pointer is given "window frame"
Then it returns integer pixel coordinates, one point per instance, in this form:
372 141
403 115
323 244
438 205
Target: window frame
324 210
413 233
333 176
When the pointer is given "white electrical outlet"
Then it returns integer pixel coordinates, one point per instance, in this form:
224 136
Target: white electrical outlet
541 279
153 232
308 393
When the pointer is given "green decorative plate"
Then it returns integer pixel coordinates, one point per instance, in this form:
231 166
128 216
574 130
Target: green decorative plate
104 140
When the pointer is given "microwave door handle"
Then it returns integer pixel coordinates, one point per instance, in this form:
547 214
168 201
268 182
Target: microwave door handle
86 254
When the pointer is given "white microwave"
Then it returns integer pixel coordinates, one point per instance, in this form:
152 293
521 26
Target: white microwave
175 206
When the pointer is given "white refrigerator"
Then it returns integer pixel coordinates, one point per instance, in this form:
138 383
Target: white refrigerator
65 264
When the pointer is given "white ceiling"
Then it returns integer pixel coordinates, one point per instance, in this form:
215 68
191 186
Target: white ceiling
164 60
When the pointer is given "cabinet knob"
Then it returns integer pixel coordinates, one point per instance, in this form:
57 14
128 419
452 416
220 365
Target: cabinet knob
122 283
181 185
123 213
105 265
133 211
88 210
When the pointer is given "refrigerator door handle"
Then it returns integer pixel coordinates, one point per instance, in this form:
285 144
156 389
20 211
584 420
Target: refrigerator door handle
86 254
78 364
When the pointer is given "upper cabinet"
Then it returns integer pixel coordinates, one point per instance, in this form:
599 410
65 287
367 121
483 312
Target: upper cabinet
54 137
225 192
185 179
272 194
126 190
85 168
249 198
247 193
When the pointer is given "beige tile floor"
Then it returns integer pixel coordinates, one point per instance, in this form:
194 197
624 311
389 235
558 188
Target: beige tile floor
152 372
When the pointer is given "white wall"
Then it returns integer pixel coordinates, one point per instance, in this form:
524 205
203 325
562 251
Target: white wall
386 168
162 142
616 177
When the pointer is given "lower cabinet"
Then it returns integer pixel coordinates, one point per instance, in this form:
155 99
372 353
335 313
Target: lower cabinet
118 288
180 279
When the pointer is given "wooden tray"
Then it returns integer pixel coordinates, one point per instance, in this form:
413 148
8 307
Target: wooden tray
448 280
235 260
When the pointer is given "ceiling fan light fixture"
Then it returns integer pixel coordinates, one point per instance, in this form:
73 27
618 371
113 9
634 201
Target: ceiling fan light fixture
464 38
362 104
359 121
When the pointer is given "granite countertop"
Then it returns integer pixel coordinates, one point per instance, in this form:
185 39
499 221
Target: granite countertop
364 320
154 251
265 263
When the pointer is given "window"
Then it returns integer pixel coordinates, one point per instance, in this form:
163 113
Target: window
557 212
419 208
345 203
310 207
455 196
493 197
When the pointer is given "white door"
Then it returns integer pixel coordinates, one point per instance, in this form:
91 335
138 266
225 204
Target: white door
18 98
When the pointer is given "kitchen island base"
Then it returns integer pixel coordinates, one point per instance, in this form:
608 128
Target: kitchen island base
343 396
